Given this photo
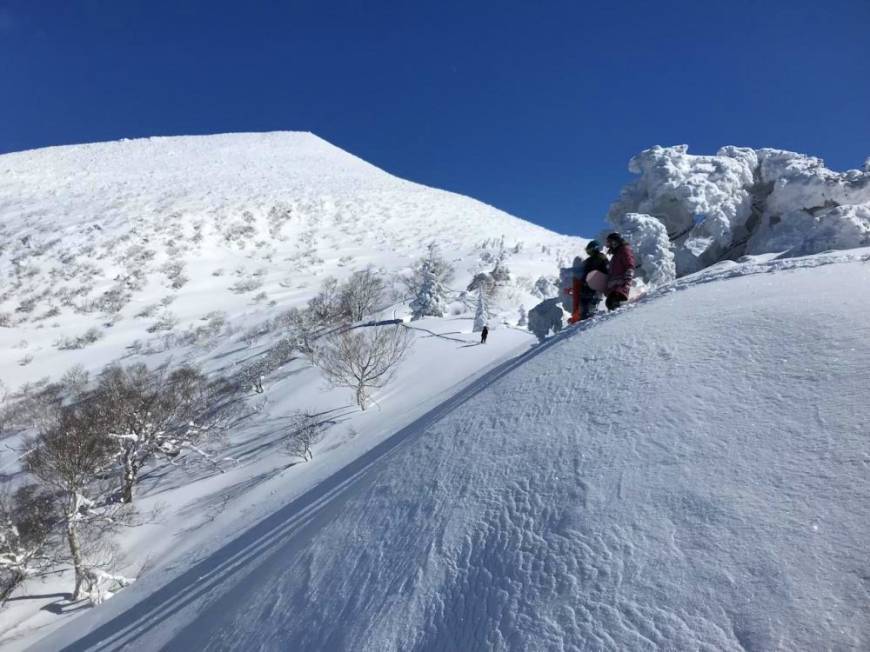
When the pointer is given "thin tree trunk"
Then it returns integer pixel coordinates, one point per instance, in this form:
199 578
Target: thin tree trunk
72 537
361 398
129 478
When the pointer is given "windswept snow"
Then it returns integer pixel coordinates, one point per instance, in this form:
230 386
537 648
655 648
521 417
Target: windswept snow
746 201
688 473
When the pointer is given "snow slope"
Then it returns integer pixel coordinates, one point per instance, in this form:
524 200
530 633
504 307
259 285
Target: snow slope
152 242
187 250
690 472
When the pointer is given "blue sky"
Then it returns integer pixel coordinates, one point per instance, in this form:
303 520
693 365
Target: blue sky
534 107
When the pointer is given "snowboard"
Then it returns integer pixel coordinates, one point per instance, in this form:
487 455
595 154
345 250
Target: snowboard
596 281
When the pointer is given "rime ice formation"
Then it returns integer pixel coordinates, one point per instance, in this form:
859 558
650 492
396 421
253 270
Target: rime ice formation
746 201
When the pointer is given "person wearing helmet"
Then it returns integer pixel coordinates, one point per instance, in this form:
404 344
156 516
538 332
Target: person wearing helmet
621 271
596 261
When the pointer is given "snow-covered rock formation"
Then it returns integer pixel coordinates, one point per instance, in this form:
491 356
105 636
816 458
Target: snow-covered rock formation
746 201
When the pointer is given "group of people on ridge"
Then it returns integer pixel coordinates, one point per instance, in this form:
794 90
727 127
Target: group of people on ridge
619 270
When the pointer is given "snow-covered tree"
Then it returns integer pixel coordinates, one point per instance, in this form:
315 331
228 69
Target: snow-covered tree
361 294
430 276
481 313
69 457
150 413
431 266
362 359
648 237
27 517
303 431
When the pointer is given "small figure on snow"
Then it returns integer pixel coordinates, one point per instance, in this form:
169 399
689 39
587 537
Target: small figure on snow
621 271
483 334
596 261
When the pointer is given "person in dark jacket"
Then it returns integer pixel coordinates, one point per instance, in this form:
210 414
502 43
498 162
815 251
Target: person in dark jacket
484 334
596 261
621 271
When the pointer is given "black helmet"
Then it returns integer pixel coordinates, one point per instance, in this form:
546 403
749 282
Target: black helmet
592 246
614 237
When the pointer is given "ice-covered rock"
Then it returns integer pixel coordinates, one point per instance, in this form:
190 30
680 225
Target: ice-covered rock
652 249
745 201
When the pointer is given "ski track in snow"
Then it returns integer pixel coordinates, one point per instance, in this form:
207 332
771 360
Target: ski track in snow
689 473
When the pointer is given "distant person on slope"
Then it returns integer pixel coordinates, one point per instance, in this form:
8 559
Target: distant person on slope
484 334
621 271
596 261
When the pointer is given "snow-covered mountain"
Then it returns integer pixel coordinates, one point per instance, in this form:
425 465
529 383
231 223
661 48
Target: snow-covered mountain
688 473
102 245
191 250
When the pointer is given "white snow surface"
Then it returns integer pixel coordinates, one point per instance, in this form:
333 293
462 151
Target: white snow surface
149 239
186 250
690 472
746 201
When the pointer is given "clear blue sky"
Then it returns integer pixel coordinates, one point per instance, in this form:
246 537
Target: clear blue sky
534 107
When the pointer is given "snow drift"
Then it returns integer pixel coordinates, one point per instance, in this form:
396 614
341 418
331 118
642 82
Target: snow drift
688 473
745 201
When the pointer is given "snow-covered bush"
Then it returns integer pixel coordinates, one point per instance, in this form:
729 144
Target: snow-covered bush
547 316
746 201
481 313
165 322
79 342
652 249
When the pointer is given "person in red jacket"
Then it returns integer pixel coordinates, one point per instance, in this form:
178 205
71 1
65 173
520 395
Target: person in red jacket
621 272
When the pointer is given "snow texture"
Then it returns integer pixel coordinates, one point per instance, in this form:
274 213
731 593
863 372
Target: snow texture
687 473
158 241
745 201
190 250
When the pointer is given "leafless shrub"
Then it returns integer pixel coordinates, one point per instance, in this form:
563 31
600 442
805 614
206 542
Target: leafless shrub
362 359
27 305
239 233
174 271
81 341
166 322
6 320
303 431
113 299
361 294
244 285
148 311
54 311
